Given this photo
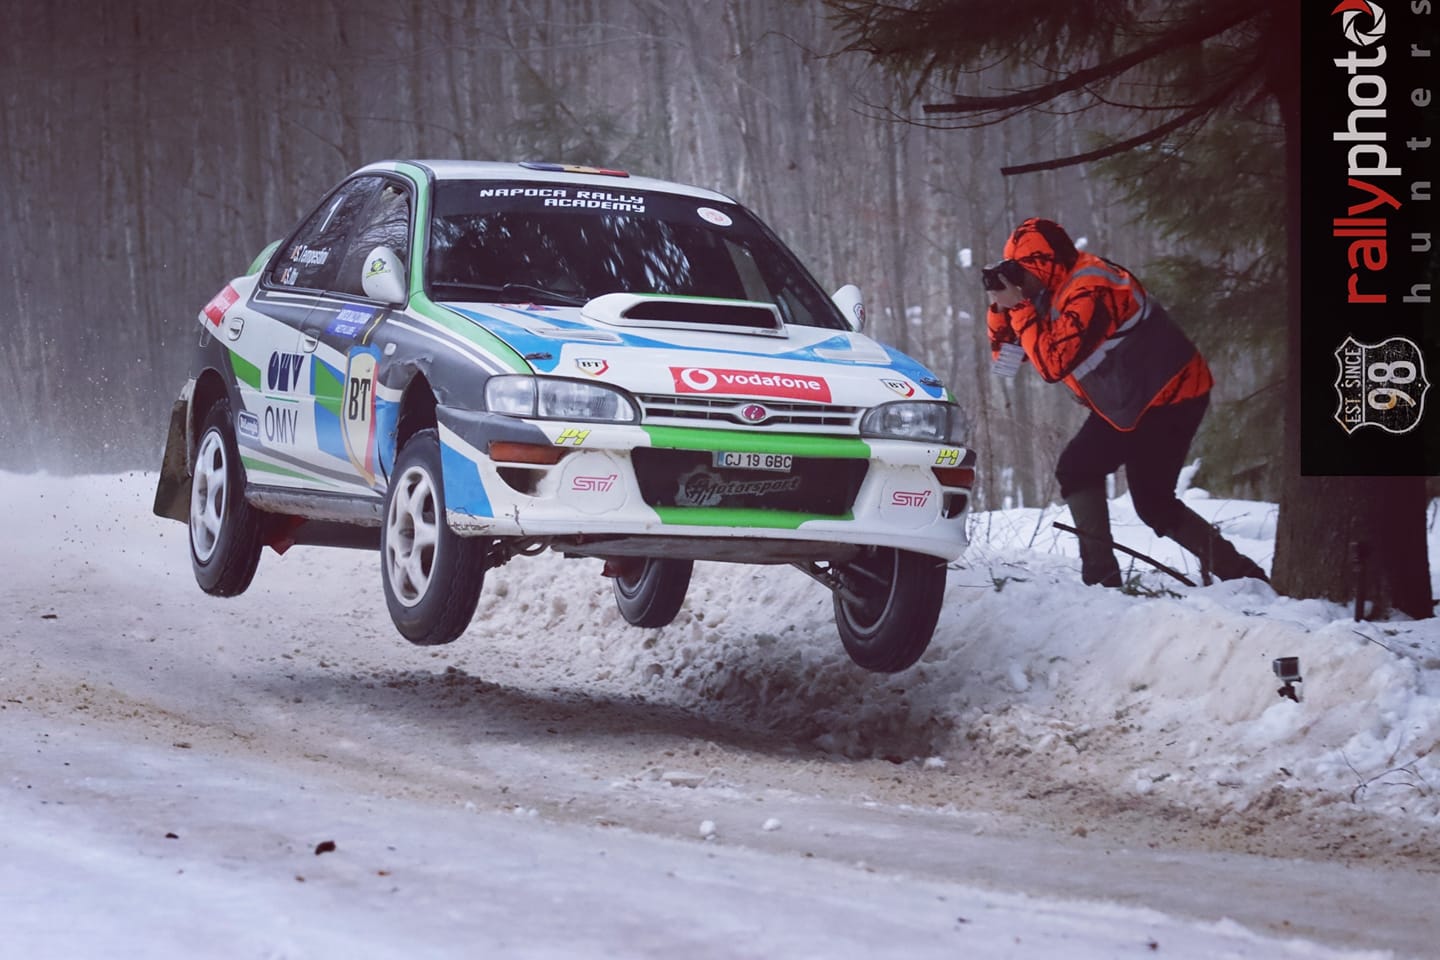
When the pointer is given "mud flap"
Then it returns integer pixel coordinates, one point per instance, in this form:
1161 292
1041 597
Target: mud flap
172 492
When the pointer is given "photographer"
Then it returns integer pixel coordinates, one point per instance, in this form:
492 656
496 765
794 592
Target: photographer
1087 321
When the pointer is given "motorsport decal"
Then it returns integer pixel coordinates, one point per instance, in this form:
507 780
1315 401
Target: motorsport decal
219 303
376 267
247 425
571 198
309 256
910 498
751 383
717 217
350 321
595 368
903 387
948 457
280 424
596 484
701 488
357 412
282 375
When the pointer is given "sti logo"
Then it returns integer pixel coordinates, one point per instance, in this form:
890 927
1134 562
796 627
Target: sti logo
592 366
903 387
909 498
749 383
594 484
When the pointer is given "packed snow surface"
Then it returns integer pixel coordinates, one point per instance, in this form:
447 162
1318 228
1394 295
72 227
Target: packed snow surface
280 775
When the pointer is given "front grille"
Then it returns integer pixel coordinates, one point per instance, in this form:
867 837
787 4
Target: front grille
683 411
687 478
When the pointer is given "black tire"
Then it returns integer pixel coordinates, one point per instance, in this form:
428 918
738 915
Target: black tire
900 593
432 576
652 597
225 531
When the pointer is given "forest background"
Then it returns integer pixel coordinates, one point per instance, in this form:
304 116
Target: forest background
150 148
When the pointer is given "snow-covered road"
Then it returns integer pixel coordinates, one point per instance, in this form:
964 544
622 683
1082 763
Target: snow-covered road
1067 773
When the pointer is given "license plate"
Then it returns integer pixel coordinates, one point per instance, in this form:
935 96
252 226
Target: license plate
778 462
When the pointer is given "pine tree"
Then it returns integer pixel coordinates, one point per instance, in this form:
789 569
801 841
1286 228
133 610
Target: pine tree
1175 73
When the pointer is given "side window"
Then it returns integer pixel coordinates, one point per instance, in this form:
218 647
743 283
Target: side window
385 221
313 258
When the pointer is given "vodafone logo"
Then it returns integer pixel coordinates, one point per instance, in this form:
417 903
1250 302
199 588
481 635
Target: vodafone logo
750 383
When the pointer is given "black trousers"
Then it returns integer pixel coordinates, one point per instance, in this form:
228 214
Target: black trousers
1152 455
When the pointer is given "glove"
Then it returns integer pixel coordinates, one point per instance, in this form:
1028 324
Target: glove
998 322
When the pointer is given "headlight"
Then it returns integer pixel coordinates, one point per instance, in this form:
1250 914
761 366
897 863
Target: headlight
934 420
554 399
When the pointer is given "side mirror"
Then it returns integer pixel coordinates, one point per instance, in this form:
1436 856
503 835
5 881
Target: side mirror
852 306
384 276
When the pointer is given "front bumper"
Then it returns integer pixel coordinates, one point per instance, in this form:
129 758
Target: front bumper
627 489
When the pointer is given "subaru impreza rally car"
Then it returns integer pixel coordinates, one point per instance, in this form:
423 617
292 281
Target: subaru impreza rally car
460 363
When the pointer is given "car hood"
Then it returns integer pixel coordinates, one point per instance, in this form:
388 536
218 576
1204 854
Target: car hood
787 364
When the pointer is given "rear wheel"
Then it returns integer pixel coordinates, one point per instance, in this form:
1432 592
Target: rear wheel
893 603
651 597
225 531
432 576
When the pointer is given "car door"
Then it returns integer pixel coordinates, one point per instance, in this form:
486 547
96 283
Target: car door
296 282
337 338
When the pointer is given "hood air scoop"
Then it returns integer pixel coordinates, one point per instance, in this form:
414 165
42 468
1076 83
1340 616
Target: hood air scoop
686 313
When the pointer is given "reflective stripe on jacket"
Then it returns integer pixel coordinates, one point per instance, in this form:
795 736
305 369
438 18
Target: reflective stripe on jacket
1113 345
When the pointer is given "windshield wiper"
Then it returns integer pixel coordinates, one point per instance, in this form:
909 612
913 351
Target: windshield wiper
541 295
516 293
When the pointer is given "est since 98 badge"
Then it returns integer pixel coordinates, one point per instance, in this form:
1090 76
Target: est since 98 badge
1380 385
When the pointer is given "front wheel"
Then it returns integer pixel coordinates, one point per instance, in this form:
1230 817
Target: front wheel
225 531
432 576
894 601
652 595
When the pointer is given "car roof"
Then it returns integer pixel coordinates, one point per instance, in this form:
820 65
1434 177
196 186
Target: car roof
490 170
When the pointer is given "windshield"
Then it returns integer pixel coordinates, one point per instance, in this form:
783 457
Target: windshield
527 242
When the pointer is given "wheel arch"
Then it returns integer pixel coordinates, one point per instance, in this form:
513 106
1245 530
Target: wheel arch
417 412
209 389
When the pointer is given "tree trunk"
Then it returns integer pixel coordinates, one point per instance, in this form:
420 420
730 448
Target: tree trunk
1323 519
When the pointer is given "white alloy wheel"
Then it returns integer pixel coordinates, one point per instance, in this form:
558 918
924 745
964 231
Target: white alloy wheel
207 495
412 533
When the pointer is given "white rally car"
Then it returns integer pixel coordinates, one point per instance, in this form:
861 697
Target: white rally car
464 362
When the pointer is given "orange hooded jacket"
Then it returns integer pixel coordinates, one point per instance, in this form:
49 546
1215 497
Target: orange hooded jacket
1096 328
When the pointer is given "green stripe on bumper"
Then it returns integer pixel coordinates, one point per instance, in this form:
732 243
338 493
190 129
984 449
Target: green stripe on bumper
800 445
738 517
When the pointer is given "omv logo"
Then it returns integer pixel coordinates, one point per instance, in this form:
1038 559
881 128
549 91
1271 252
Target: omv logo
1361 34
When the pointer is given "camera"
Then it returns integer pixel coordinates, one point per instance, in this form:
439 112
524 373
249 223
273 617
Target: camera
1286 668
1008 269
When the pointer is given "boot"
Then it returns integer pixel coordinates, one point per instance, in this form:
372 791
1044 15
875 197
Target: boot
1092 518
1217 554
